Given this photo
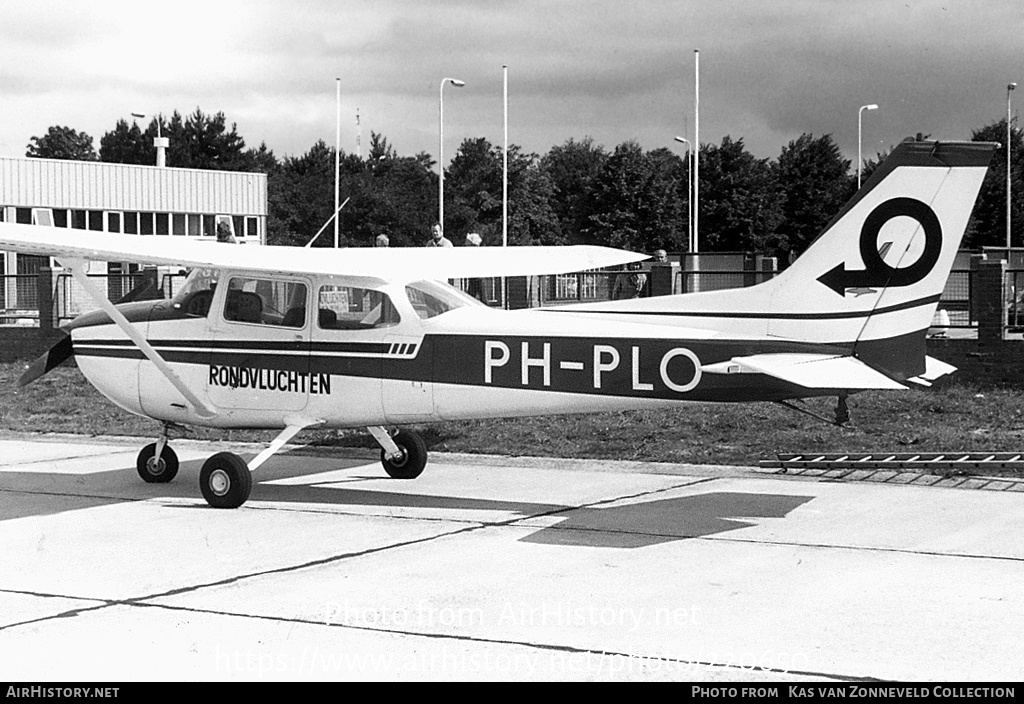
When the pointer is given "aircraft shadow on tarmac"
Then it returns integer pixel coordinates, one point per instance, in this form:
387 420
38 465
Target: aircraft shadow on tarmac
629 525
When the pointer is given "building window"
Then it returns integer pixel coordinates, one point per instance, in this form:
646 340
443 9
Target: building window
209 228
42 216
194 225
178 224
113 222
252 227
131 223
28 266
78 219
121 279
23 216
96 220
162 227
60 218
145 223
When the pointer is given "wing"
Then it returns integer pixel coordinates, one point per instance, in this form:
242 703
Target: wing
384 264
812 371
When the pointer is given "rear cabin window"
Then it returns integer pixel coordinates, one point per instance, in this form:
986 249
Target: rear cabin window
266 302
350 308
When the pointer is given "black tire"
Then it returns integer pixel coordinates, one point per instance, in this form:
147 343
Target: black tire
157 471
225 480
414 456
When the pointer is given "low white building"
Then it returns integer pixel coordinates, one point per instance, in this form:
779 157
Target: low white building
148 201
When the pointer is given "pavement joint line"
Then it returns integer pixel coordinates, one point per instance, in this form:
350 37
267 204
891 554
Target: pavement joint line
9 467
356 514
46 595
122 499
721 537
71 613
555 647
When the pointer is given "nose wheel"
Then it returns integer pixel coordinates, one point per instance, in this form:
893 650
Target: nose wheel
154 468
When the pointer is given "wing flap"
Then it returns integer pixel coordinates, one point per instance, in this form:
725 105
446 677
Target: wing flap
812 371
384 264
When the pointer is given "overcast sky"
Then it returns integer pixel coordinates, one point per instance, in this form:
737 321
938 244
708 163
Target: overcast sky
612 69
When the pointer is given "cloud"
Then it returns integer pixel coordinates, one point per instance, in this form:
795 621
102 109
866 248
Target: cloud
611 69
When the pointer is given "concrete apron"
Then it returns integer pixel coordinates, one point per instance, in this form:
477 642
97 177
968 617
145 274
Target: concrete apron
489 568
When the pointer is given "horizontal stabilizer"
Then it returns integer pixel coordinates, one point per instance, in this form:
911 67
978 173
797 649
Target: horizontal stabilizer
933 369
812 371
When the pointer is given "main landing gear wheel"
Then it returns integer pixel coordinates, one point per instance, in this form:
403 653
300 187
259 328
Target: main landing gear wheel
225 480
157 470
414 456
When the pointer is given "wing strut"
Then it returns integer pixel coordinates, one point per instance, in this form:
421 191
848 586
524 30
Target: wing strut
294 425
77 267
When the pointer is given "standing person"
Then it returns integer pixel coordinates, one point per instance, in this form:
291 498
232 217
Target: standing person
629 283
437 238
224 233
475 287
382 241
658 257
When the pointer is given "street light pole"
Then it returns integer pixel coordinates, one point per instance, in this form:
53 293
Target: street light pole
696 152
689 191
440 147
160 142
504 161
337 158
1009 89
860 159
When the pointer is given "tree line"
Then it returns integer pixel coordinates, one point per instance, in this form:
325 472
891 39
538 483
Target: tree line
577 193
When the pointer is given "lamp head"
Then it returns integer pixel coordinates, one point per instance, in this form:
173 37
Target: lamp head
456 82
871 107
1011 86
683 140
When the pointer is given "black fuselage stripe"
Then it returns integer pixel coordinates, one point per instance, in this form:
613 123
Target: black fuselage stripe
746 315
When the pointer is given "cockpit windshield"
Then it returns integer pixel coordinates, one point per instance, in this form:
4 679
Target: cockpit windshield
195 295
431 298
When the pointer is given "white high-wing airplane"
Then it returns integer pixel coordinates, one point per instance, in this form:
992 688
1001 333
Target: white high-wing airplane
288 338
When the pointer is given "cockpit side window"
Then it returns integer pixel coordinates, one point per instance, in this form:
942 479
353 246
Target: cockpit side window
266 302
351 308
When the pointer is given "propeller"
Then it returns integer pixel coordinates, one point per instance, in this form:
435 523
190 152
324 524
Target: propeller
64 350
56 355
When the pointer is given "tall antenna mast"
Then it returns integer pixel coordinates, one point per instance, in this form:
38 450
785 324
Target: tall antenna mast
359 136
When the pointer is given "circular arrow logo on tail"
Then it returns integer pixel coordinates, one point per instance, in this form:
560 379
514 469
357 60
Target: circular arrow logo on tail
877 273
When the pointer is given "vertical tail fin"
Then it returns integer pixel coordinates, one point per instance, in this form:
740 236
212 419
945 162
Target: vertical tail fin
875 275
868 285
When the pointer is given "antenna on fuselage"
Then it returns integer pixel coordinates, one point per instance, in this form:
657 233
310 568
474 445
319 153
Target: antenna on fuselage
329 221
